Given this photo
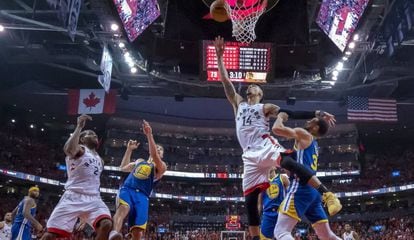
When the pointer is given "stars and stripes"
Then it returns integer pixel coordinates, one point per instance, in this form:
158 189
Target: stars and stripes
370 109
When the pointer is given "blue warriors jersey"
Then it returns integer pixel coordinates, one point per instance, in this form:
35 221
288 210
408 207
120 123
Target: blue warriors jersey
141 178
303 200
274 195
20 214
21 228
309 156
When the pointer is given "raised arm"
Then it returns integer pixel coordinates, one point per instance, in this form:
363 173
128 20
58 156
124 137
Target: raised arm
160 165
126 165
72 147
231 94
28 204
301 136
272 110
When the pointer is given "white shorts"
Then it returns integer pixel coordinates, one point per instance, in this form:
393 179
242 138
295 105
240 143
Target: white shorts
257 162
89 208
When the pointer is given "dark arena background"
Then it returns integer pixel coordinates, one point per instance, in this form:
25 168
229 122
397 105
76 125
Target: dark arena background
125 61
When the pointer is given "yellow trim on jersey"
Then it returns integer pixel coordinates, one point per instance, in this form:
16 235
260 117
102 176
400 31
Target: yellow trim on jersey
291 212
263 237
123 202
143 227
320 221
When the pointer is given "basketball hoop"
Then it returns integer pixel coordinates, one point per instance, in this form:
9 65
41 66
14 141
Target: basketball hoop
244 15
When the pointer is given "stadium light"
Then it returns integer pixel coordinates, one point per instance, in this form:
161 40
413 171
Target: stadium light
131 64
1 28
340 66
121 45
335 73
42 129
351 45
345 58
126 54
31 126
334 78
114 27
348 53
134 70
13 120
128 59
356 37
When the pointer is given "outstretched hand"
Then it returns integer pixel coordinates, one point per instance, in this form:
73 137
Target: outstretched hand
219 45
146 127
82 120
284 116
132 145
330 119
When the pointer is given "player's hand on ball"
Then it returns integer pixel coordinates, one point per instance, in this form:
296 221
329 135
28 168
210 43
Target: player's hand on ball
329 118
283 116
146 128
82 120
132 144
39 228
219 45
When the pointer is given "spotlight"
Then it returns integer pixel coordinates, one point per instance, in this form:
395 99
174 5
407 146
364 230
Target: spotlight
335 73
134 70
13 121
121 45
1 28
356 37
126 54
345 58
129 59
32 126
348 53
351 45
114 27
42 129
340 66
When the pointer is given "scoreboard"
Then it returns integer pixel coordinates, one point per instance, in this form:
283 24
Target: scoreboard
244 63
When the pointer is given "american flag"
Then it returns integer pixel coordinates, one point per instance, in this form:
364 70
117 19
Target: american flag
370 109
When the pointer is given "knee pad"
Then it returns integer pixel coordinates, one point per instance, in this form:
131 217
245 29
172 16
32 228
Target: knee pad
250 201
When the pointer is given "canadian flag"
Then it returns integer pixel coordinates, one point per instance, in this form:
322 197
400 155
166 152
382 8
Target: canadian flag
91 101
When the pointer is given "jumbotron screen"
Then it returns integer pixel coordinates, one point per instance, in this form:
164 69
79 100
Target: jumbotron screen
339 19
244 63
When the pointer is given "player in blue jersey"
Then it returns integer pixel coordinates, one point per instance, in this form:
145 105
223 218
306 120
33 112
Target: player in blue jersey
271 200
302 200
135 192
23 217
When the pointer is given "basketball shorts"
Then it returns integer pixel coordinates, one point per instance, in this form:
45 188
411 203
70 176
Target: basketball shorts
268 224
303 201
21 231
90 208
138 204
257 161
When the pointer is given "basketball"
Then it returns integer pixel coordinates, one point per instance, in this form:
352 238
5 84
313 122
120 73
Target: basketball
218 11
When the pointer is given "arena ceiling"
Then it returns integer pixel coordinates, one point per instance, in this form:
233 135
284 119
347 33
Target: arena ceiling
35 47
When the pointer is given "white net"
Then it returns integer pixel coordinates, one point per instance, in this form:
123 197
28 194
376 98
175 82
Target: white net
244 15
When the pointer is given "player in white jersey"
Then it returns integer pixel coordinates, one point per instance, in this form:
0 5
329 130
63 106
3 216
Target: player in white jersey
349 234
82 197
5 226
260 150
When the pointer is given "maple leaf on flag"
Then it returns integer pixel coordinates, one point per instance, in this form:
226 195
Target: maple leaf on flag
91 101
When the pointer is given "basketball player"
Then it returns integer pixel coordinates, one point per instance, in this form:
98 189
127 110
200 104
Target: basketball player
24 217
349 234
135 192
271 200
260 150
82 197
302 200
5 226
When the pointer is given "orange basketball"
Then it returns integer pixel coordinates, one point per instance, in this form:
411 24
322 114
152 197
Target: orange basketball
218 11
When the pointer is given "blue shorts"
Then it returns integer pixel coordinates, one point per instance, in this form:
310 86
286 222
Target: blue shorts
21 231
268 224
303 201
138 207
